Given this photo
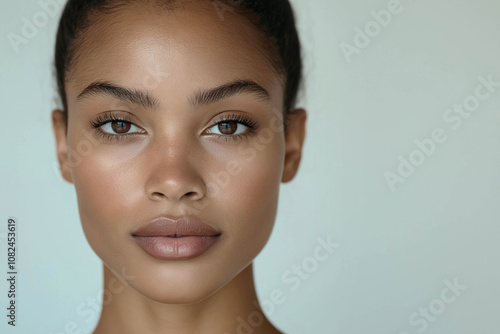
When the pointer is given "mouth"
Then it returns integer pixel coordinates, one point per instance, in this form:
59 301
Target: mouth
176 247
175 239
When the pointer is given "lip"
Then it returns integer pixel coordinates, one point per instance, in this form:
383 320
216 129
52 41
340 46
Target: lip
185 238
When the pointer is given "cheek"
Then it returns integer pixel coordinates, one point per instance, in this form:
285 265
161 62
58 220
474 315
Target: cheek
105 191
251 197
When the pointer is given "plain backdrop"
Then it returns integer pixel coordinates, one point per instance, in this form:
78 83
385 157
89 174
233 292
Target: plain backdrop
375 95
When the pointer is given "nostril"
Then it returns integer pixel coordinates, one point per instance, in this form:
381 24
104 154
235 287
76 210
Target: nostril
175 195
192 194
158 194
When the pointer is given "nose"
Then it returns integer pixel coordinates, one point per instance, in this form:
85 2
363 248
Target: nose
174 174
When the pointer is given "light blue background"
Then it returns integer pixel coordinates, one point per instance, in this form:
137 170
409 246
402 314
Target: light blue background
396 248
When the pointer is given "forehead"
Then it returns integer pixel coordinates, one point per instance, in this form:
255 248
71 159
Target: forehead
190 44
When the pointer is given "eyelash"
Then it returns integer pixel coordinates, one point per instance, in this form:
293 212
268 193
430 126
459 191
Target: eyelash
238 118
108 118
241 119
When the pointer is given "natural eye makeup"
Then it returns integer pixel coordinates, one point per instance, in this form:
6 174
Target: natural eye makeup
234 126
113 126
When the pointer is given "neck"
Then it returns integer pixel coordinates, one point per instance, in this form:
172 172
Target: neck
226 311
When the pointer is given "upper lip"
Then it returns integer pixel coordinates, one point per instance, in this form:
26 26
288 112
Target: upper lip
183 226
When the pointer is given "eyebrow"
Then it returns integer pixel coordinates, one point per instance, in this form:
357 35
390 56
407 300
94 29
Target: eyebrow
130 95
227 90
202 97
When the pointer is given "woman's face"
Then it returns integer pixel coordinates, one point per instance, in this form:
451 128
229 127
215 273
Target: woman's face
164 80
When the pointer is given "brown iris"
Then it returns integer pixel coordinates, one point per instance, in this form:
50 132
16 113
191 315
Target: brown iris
120 126
228 128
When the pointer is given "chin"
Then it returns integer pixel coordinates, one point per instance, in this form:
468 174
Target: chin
172 282
175 290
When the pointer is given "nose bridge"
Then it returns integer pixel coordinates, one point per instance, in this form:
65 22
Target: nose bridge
173 167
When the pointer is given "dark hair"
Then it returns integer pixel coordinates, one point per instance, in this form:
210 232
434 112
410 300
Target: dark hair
275 18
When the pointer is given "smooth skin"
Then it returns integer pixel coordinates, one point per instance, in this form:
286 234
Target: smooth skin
174 159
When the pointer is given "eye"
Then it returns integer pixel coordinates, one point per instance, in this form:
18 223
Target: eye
119 128
229 128
235 126
115 126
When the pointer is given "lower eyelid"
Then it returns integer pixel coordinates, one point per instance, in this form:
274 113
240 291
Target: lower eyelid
234 137
109 136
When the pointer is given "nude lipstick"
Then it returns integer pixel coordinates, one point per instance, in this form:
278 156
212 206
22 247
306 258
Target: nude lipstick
175 239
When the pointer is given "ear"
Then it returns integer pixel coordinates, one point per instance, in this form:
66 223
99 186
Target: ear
59 128
295 133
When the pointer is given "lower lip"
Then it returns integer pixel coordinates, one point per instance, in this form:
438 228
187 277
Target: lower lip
169 248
